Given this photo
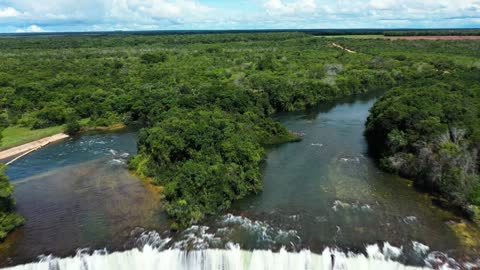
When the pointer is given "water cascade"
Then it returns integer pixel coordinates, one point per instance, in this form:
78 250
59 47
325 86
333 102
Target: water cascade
150 258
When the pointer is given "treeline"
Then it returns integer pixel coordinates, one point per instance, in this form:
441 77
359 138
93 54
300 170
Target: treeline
430 132
439 32
205 158
113 40
204 101
9 220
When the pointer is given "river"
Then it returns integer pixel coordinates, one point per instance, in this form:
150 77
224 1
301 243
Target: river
324 204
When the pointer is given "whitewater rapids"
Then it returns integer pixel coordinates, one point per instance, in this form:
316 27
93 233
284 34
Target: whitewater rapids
216 259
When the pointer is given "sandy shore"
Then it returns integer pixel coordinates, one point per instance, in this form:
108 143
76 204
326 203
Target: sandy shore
31 146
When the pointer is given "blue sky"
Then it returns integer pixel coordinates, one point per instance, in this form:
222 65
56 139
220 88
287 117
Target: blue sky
106 15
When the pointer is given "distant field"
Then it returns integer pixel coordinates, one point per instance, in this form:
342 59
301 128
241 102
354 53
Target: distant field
434 37
404 37
14 136
356 36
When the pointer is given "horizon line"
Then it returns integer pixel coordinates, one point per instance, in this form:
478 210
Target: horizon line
235 30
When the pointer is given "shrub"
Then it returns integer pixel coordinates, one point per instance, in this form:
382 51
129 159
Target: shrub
72 127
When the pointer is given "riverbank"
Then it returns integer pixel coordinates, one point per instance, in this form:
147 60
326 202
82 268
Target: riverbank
14 136
33 140
31 146
114 127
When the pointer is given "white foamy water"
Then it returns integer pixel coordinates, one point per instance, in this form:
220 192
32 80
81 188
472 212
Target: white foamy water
215 259
420 248
200 248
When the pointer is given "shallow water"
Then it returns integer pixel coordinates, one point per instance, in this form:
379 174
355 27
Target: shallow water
323 194
78 193
73 151
331 193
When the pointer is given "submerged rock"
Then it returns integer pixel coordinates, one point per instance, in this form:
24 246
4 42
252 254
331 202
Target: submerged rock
466 233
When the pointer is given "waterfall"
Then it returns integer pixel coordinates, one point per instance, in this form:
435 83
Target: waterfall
150 258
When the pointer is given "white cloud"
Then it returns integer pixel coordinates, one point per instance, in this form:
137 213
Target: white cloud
31 29
278 7
384 4
421 10
84 15
150 10
374 13
9 12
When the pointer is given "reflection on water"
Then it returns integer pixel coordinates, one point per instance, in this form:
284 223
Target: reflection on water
204 248
330 192
78 194
74 151
321 193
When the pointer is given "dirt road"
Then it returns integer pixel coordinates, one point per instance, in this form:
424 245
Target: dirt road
343 48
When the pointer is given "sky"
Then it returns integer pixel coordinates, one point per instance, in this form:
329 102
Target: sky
109 15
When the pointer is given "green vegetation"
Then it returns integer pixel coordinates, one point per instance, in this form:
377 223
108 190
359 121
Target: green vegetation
430 131
205 159
17 135
440 32
8 219
72 127
205 101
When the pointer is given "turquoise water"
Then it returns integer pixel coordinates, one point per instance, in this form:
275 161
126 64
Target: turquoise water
78 193
323 192
74 151
328 190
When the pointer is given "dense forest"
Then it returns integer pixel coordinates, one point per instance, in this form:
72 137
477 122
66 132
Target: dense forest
431 133
204 101
8 219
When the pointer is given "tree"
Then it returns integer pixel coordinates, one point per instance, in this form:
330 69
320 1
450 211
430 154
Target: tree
72 127
428 134
153 58
8 219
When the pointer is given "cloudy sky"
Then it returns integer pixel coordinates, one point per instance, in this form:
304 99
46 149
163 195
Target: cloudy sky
101 15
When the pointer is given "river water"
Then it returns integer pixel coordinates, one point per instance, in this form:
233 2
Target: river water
325 205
